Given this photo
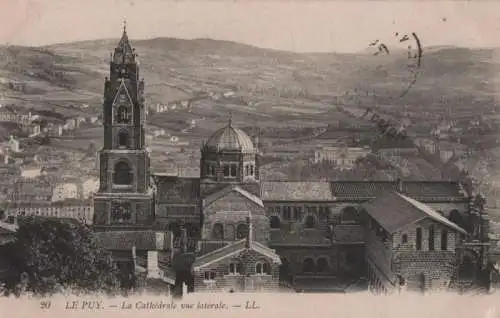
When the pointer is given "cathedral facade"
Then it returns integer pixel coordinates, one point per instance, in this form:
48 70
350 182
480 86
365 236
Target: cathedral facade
231 231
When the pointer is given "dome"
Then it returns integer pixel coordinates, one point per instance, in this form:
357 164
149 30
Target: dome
230 138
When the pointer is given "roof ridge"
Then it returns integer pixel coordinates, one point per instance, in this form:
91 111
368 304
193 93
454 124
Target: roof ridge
221 249
430 212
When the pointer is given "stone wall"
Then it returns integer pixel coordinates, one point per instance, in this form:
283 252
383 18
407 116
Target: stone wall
398 262
231 211
247 281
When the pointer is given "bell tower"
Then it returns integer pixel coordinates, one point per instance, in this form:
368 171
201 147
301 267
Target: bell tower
125 196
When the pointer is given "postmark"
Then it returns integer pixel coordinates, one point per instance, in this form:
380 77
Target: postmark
402 46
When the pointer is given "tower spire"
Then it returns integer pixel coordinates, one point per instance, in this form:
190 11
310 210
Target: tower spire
230 118
124 25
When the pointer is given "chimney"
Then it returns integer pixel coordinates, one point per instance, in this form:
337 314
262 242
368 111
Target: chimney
153 268
134 256
184 239
399 185
249 231
256 141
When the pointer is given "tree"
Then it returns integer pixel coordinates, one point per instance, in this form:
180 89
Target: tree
50 256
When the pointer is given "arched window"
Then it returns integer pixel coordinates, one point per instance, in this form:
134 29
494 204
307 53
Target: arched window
218 232
241 231
310 221
275 222
123 140
404 239
262 268
349 214
123 174
323 266
308 266
123 115
235 268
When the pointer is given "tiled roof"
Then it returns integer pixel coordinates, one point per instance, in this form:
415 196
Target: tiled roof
217 195
415 189
296 191
233 249
230 138
173 189
431 213
125 240
394 211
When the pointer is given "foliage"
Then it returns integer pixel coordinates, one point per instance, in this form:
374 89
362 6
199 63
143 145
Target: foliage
50 256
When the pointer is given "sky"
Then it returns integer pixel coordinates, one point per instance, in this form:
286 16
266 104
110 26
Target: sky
293 25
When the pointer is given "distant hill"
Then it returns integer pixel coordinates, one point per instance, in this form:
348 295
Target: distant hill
64 75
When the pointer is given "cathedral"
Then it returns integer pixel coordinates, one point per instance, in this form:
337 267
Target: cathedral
228 230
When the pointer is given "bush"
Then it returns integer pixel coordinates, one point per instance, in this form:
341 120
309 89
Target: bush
50 256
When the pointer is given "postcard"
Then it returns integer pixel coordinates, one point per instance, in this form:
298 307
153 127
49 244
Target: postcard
249 158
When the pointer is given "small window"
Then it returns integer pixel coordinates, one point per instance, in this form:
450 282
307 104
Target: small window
218 232
275 222
262 268
235 268
323 265
404 239
418 244
241 231
246 171
233 170
286 213
431 238
310 222
226 171
123 139
210 275
349 214
308 266
251 170
444 240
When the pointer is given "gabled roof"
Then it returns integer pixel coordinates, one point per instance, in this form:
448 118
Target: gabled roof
232 250
217 195
296 191
123 88
394 211
420 190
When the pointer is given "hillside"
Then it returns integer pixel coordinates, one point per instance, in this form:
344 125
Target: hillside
72 74
275 90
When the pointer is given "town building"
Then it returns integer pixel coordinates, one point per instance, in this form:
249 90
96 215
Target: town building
232 231
81 210
342 157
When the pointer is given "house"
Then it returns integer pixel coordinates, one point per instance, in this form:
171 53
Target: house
242 266
66 190
342 157
410 246
80 210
